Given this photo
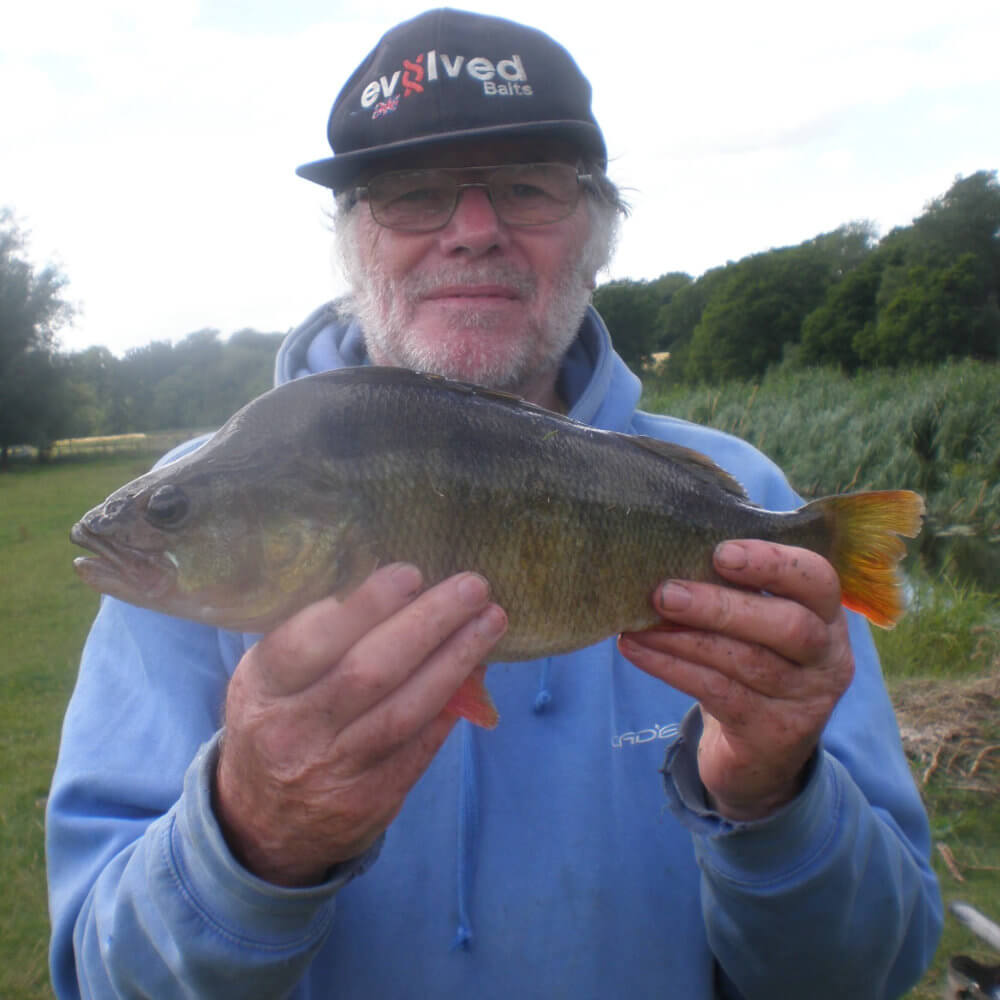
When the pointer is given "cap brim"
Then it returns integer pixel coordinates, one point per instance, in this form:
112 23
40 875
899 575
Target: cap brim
338 172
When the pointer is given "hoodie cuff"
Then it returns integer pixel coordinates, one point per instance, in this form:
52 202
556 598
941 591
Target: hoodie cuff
224 892
757 846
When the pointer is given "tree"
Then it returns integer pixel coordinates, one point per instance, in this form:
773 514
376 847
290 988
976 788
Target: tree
631 310
965 219
36 401
139 372
96 379
930 313
33 407
829 331
759 304
196 383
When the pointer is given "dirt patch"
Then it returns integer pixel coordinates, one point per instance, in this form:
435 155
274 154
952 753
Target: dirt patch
952 727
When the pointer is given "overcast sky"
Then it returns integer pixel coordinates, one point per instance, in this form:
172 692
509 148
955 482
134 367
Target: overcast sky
149 147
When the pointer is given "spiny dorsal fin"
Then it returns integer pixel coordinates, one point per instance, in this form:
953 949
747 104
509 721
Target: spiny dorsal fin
694 461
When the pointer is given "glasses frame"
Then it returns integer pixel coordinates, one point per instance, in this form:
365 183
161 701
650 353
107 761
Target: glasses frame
584 182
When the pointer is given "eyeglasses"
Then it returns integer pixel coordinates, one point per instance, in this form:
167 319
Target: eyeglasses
522 194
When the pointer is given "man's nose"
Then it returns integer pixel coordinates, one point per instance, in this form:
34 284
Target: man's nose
475 225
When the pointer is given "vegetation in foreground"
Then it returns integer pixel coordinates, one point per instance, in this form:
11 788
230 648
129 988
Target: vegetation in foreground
951 732
936 431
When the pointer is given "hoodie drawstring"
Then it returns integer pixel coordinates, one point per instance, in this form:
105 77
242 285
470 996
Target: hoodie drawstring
468 823
544 696
468 811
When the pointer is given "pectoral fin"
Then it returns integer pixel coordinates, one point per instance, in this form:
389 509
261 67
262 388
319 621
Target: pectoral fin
473 702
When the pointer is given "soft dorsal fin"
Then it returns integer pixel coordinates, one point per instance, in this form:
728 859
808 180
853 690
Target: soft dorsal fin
694 461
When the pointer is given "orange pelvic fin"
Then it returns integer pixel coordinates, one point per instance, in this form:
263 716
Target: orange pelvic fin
867 548
473 702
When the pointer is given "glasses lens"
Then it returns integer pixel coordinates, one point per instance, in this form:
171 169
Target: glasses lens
415 200
523 194
535 193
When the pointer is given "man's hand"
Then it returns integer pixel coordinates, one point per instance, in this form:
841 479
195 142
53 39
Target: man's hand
333 716
767 668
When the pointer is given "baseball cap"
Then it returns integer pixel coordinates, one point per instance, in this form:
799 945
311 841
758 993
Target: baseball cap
447 75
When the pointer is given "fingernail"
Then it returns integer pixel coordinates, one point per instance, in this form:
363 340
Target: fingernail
674 596
628 646
493 622
406 579
473 590
728 555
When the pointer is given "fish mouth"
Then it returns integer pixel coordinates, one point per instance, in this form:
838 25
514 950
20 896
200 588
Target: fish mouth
121 570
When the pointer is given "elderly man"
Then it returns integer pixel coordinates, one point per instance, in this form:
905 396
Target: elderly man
341 835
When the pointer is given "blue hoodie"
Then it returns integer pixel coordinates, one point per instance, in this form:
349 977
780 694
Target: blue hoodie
542 859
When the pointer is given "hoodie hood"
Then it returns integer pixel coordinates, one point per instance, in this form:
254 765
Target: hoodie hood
597 385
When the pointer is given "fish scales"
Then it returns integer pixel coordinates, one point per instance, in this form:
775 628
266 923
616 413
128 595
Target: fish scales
313 485
572 527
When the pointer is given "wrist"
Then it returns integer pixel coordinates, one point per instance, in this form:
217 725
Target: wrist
756 809
748 809
243 826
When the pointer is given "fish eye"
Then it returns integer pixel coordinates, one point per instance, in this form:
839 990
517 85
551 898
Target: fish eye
167 507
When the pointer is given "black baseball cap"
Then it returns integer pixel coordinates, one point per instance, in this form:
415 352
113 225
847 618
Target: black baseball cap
447 75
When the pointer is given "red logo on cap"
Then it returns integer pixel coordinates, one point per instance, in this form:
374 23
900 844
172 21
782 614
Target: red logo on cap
411 84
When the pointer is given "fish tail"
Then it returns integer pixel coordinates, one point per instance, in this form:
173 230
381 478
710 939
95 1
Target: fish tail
473 702
866 548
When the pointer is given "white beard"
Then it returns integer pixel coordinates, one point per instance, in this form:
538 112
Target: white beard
385 309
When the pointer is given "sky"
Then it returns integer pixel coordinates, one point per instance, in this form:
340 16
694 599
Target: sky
149 147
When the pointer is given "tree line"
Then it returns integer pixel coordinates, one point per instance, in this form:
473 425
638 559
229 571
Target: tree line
47 394
196 383
922 294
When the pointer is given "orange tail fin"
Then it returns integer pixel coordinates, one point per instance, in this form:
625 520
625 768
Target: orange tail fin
473 702
867 548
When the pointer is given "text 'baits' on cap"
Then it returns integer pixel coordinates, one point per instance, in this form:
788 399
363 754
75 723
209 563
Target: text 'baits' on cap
449 75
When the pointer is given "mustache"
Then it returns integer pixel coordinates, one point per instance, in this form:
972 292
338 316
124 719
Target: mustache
415 286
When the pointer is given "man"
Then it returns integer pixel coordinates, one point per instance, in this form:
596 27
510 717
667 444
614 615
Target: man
342 836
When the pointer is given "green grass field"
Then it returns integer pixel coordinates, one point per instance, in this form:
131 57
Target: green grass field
45 615
943 663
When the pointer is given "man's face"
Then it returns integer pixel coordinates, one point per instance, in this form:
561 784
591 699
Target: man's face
478 300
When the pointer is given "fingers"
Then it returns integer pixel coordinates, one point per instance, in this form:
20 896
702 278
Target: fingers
434 642
299 651
377 636
802 599
767 659
332 717
387 646
729 648
713 669
798 574
422 695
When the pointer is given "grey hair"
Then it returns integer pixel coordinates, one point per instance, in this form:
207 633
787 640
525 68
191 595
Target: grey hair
607 209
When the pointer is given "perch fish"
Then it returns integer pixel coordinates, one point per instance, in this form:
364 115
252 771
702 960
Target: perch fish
311 486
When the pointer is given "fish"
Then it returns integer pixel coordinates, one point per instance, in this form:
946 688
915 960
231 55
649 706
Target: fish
310 487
